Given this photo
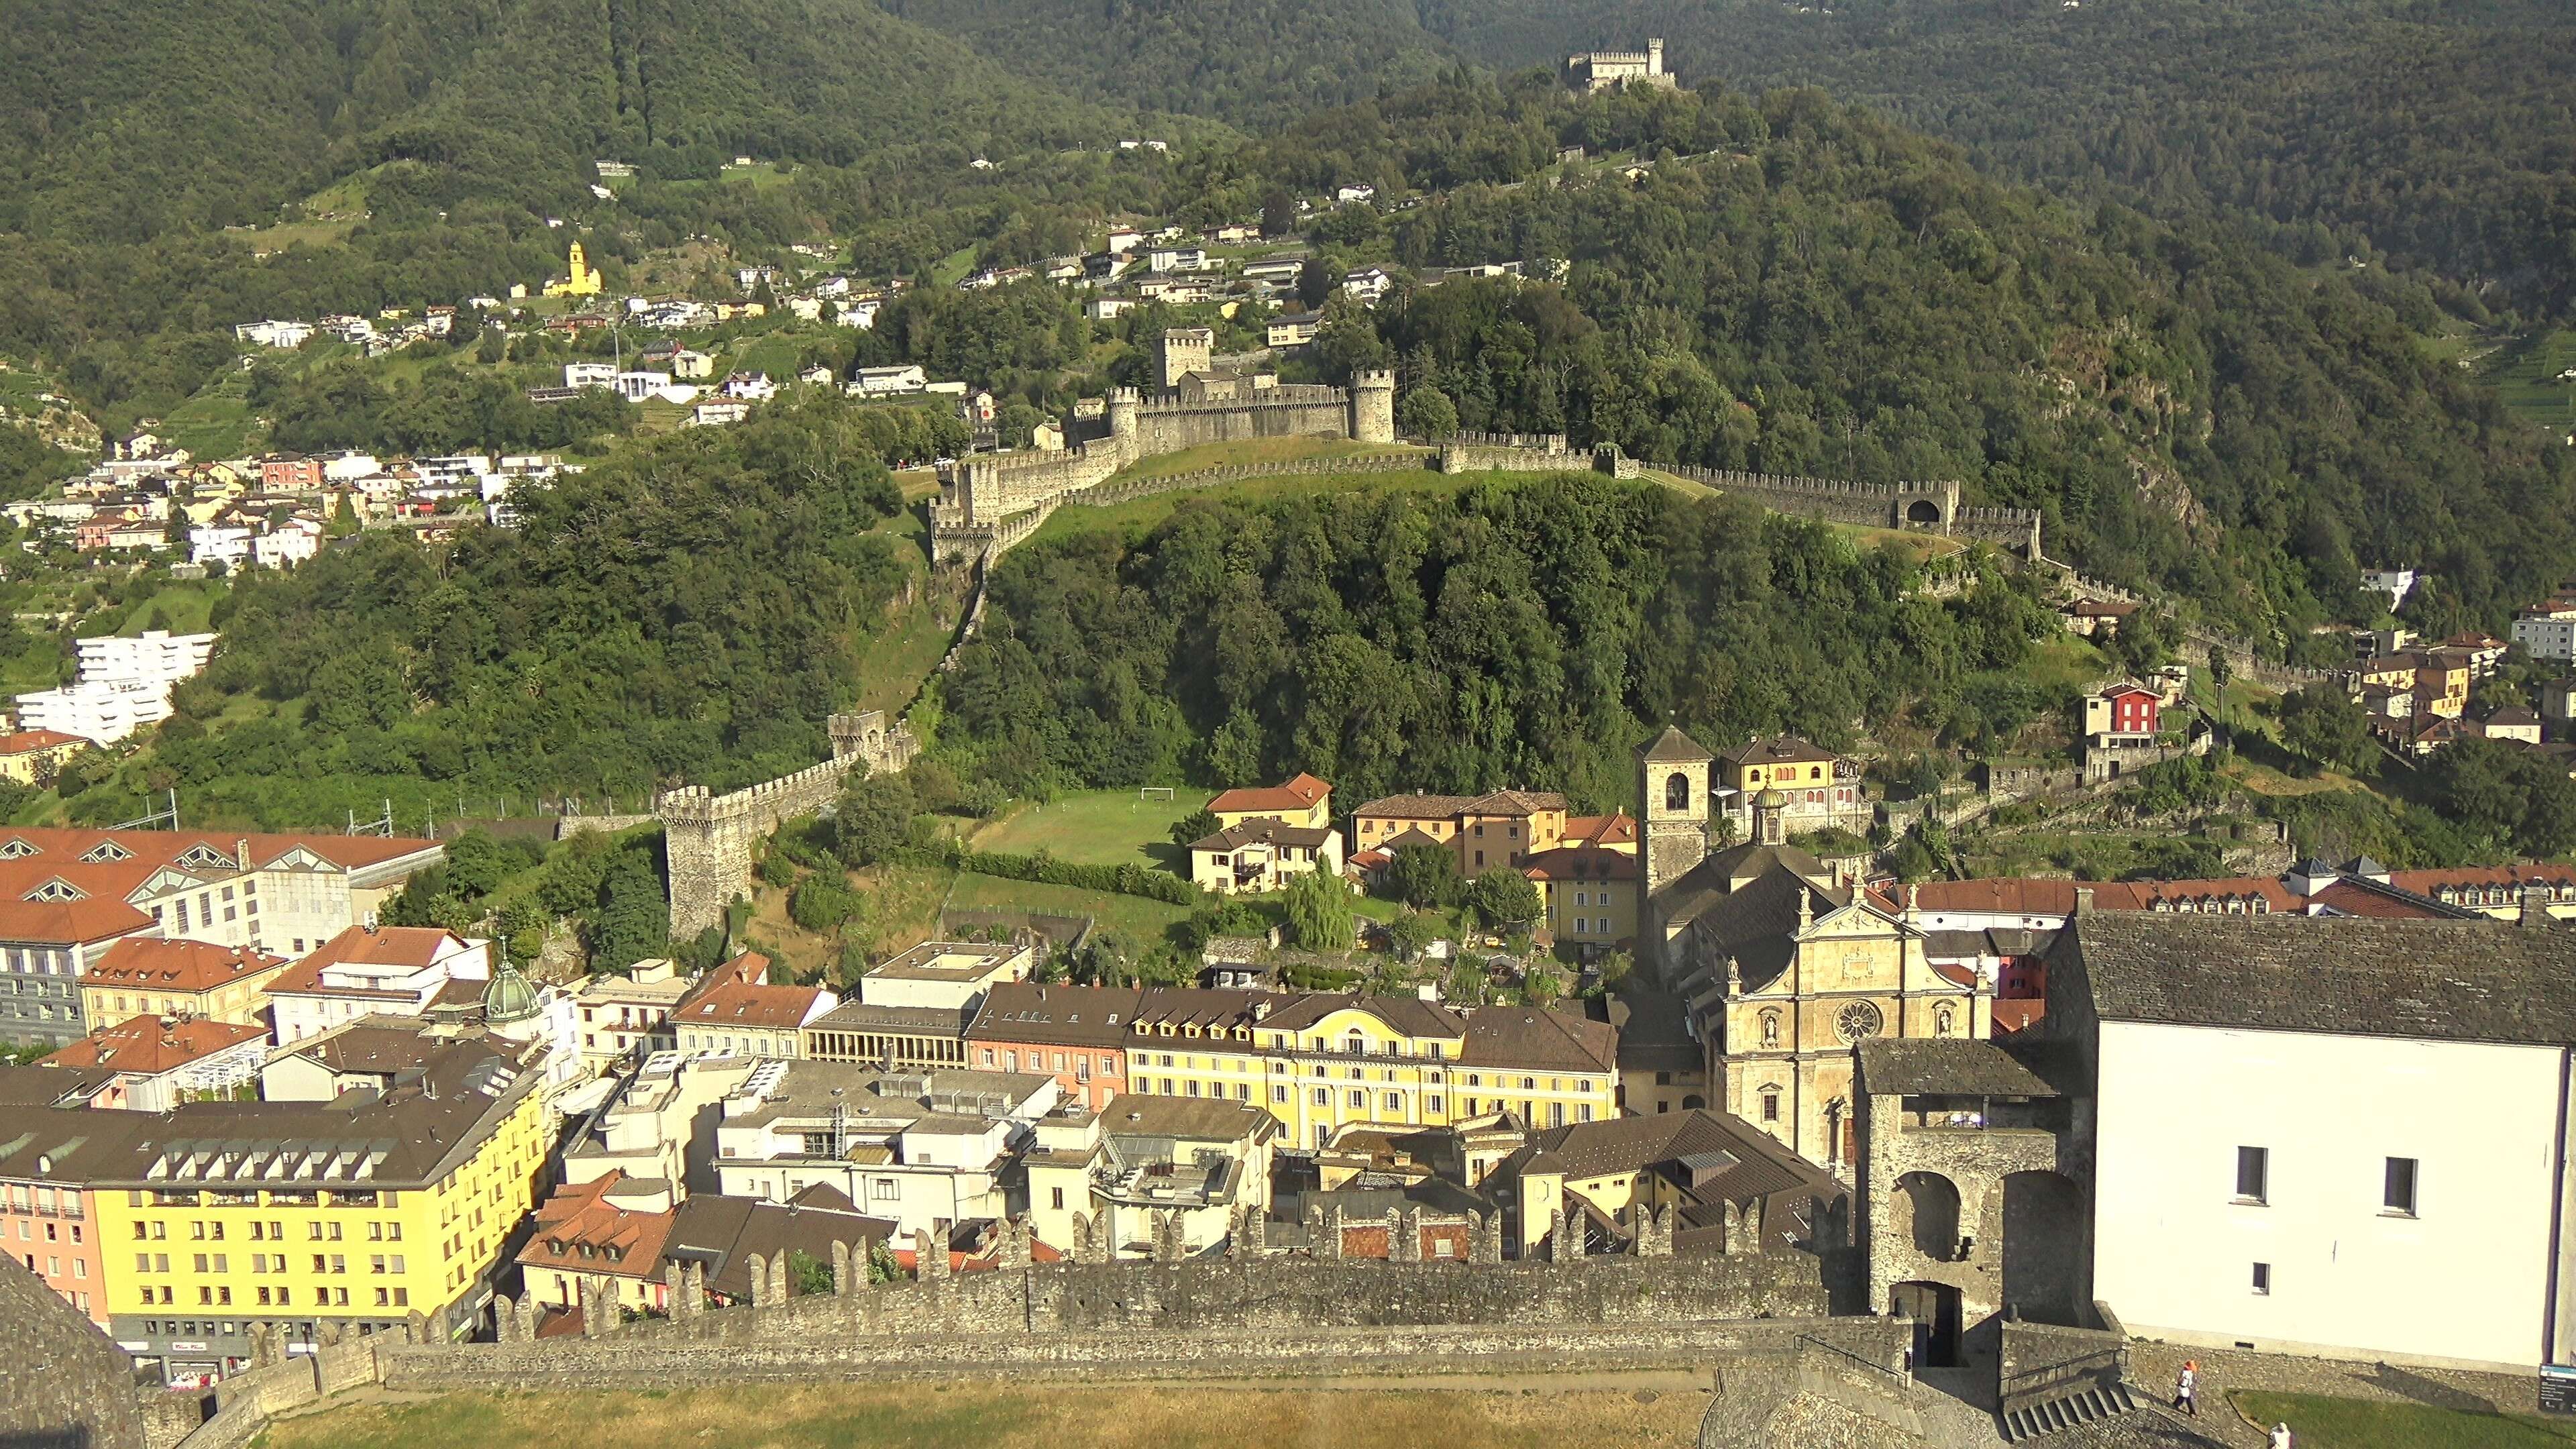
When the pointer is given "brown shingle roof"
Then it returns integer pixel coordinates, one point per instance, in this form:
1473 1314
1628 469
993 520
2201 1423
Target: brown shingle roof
1530 1038
148 1046
155 964
753 1006
1088 1016
1946 1066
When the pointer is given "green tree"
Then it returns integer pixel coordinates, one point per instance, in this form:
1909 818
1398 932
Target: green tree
633 919
1320 911
1316 281
807 1276
494 345
1197 825
1409 933
1426 412
1278 213
344 517
1422 875
874 819
2321 725
1468 983
1505 899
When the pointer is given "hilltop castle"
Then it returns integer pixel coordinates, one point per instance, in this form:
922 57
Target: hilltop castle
1195 401
1599 70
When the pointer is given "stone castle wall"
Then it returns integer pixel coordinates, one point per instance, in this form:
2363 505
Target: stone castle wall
62 1381
707 839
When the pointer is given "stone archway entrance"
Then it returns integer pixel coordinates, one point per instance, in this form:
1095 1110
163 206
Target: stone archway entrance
1923 513
1927 1206
1934 1307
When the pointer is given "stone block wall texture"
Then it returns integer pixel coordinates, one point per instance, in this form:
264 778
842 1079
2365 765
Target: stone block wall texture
62 1382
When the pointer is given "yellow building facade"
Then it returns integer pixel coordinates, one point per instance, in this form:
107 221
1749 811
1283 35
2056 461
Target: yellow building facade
579 280
1325 1062
244 1215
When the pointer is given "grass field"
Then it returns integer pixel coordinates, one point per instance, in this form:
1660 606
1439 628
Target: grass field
1137 917
943 1416
2525 373
182 609
1255 450
2324 1423
899 659
1095 827
953 267
216 422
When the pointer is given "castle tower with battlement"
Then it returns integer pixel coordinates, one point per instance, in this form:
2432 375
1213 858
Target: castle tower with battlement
1373 407
1181 351
708 839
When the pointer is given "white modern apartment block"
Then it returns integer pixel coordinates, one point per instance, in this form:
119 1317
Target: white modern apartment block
2332 1135
124 685
927 1150
2547 631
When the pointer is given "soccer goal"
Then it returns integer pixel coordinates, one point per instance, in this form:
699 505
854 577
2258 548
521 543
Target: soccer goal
1153 792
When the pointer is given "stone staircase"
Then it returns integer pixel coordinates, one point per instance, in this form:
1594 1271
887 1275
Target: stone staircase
2090 1404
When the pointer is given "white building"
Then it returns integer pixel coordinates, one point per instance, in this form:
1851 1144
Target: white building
2547 631
123 686
650 1129
2333 1135
366 970
890 381
637 386
288 544
2395 583
274 333
225 543
926 1149
1360 192
948 975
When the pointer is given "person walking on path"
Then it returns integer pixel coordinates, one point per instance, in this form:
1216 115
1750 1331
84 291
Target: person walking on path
2187 1389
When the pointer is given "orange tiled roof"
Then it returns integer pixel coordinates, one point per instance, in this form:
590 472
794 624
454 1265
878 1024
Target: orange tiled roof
161 965
1616 828
28 741
1300 792
148 1046
738 1004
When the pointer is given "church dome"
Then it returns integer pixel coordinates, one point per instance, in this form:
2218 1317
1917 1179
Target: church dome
510 998
1771 799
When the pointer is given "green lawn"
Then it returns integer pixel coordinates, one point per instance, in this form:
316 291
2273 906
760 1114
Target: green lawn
953 268
1254 450
1095 827
2525 373
901 657
216 422
182 609
1140 514
2325 1423
989 1416
1135 916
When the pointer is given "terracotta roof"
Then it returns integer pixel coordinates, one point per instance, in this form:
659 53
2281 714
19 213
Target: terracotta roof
735 1004
25 741
383 946
161 965
2125 689
2482 877
619 1242
98 918
1616 828
64 845
150 1045
1022 1011
2438 980
1299 793
2355 898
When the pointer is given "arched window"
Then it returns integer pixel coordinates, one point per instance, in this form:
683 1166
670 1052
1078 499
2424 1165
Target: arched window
1677 791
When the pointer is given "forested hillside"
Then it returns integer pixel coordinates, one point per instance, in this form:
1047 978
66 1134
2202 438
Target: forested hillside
692 609
2438 133
1518 633
1249 61
129 120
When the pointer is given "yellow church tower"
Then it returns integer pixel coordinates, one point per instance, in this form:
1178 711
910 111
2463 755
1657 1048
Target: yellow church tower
581 282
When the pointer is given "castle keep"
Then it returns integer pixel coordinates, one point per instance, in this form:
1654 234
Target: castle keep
1196 402
708 838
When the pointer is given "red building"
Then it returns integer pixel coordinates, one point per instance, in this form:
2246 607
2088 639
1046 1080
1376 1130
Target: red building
1076 1034
2123 713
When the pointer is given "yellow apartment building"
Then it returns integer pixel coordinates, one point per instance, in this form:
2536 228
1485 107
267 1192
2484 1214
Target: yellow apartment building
292 1215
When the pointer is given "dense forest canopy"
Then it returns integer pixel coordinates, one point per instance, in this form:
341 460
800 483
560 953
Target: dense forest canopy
692 609
1517 633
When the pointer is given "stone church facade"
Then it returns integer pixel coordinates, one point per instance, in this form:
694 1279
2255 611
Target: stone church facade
1782 969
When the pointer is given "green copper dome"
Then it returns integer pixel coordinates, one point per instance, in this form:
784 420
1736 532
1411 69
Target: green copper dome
509 998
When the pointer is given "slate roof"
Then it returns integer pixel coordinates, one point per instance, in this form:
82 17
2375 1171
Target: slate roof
1946 1067
1024 1011
1534 1038
1263 830
1672 747
1779 750
1652 1033
2489 981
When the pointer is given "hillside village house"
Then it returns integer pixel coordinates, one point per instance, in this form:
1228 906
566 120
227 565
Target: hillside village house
149 974
1822 788
1261 855
595 1230
1300 800
1504 827
1590 893
925 1150
66 895
162 1061
2123 714
32 757
400 971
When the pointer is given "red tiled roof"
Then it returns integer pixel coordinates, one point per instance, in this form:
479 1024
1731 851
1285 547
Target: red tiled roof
25 741
736 1004
66 923
1299 793
62 846
384 946
1616 828
147 1046
2345 898
1583 862
160 965
579 1216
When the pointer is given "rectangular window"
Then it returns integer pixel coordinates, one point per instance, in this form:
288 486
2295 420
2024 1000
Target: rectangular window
2262 1277
2253 1173
1059 1198
2398 1193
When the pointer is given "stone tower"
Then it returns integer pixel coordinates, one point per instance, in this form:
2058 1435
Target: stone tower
1654 55
1122 412
1672 808
1183 350
1373 407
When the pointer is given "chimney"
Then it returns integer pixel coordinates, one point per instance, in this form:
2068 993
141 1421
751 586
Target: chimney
2535 905
2083 900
